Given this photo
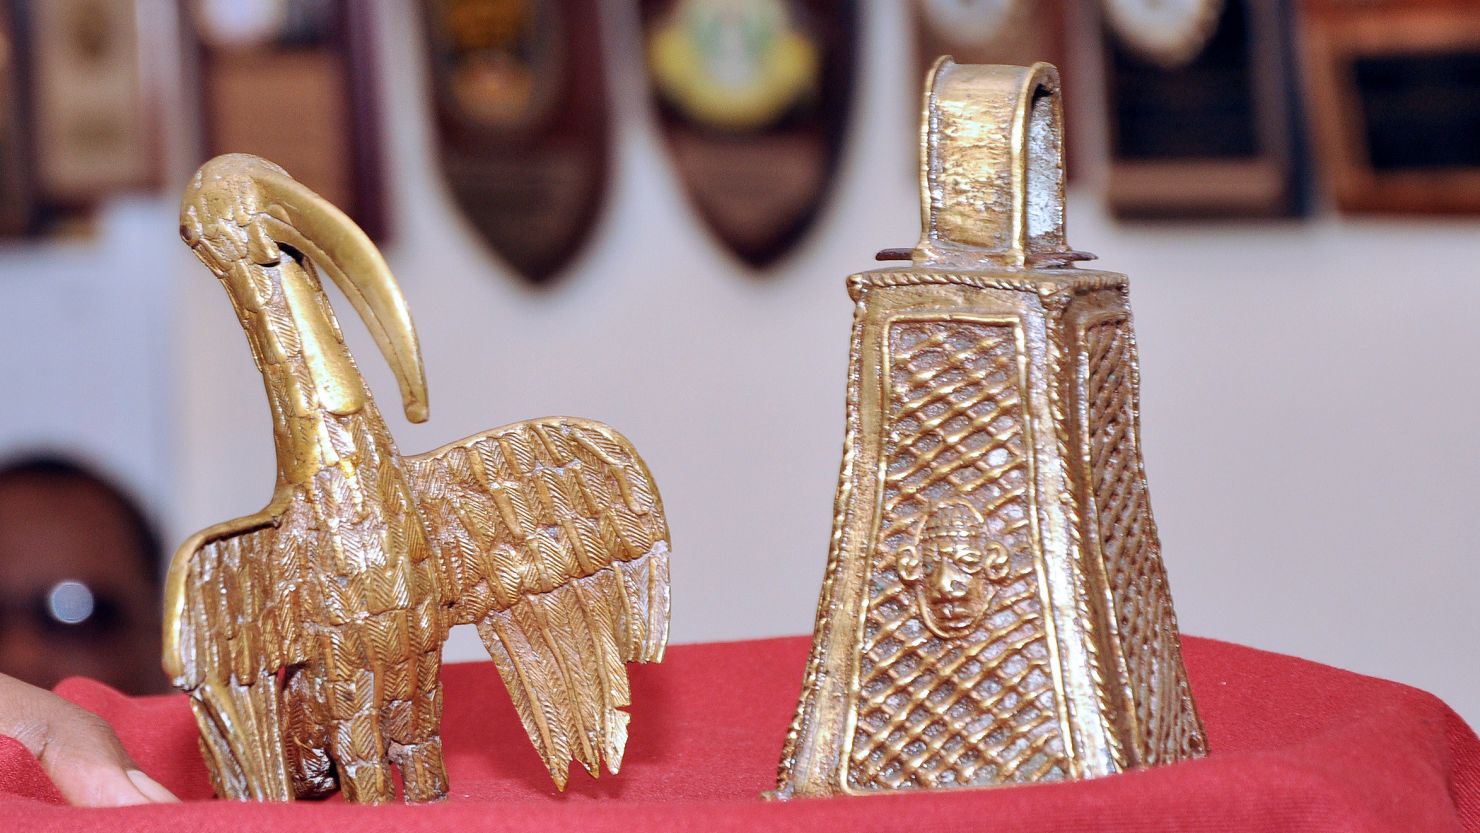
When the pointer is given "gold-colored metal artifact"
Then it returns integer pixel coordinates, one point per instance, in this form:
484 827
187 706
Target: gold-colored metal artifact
309 635
995 609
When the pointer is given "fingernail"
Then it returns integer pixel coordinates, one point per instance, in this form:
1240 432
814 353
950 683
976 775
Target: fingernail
152 789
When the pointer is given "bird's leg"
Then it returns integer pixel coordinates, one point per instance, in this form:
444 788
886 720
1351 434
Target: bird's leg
420 759
355 741
422 770
307 735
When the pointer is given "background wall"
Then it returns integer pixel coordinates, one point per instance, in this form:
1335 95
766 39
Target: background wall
83 336
1309 386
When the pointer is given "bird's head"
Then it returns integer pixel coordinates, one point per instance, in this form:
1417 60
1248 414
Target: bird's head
220 213
240 211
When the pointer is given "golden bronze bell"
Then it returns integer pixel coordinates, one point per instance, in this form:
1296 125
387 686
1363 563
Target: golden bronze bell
995 609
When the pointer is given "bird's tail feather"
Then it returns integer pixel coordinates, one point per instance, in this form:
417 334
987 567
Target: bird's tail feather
241 736
562 655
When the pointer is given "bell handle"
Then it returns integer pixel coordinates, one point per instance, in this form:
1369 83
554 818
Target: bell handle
992 168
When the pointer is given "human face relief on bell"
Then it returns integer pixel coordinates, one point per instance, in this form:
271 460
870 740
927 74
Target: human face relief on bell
953 568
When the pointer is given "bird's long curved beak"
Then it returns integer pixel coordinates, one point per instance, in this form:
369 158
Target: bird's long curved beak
310 224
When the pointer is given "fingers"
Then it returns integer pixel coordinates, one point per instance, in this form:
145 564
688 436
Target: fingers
87 763
77 749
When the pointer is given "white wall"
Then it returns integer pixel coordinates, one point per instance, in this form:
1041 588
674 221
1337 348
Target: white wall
1308 385
83 328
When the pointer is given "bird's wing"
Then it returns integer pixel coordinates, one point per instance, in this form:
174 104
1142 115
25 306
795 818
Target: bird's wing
233 618
553 541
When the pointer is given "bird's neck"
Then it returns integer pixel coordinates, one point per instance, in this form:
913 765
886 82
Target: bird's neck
322 413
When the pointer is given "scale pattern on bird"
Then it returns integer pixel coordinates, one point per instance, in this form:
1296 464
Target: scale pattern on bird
979 708
1167 727
309 635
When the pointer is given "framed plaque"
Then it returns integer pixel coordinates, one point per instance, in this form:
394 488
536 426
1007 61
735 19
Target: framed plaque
294 81
753 98
1202 108
523 133
91 129
1395 95
16 196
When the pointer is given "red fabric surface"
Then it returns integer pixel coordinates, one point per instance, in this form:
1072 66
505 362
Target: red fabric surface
1296 746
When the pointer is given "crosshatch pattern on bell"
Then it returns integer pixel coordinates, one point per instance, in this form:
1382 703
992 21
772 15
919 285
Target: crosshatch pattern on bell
955 683
994 609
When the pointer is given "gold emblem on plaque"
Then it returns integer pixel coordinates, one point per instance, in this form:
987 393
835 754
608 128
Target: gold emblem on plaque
309 635
995 609
734 65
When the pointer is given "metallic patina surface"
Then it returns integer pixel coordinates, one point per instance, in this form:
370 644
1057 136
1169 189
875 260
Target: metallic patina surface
995 609
309 635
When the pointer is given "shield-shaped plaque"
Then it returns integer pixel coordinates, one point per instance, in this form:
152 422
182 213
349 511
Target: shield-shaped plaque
522 125
753 97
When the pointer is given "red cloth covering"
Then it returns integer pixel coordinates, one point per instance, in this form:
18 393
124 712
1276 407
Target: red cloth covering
1295 746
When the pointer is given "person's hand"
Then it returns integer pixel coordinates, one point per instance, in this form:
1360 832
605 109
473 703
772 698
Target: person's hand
76 748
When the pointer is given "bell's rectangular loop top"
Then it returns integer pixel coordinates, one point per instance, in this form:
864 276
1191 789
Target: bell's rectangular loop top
991 168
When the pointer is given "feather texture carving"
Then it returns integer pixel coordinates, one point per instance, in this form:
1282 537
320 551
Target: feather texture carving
309 635
515 514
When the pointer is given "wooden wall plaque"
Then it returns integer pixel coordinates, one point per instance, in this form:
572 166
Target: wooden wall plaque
753 99
1202 109
1395 94
523 131
294 81
89 120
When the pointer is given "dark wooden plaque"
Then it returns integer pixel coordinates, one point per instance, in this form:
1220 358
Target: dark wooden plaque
294 81
17 198
1395 92
1211 131
753 98
522 126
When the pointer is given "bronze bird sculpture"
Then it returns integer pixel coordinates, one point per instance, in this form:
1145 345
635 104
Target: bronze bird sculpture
309 635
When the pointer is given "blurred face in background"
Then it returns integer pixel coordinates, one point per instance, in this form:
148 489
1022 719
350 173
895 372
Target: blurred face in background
79 588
